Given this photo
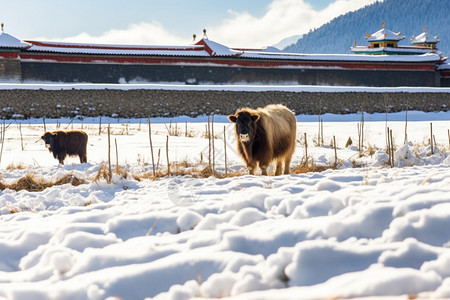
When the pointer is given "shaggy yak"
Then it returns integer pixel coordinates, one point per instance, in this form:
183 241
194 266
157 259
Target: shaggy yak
63 143
265 135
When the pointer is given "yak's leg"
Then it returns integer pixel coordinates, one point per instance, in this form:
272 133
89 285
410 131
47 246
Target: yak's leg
251 168
263 167
83 158
279 168
287 165
61 157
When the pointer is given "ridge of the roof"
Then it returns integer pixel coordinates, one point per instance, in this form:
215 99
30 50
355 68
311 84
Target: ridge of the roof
8 41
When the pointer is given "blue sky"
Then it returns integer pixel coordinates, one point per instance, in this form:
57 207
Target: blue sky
235 23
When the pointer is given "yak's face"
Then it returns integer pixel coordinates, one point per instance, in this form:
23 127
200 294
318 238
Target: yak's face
49 139
245 125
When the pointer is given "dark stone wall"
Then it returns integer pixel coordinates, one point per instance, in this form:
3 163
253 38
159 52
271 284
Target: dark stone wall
115 73
10 69
142 103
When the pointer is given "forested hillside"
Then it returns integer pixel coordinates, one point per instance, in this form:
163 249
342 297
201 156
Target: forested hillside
408 17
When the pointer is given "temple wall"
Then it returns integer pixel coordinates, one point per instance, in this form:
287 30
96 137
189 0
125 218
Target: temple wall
10 70
120 73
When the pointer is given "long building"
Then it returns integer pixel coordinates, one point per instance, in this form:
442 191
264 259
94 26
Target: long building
208 62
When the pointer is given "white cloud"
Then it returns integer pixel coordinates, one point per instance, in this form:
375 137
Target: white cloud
135 34
283 18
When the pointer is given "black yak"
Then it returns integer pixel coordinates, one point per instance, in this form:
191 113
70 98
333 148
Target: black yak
63 143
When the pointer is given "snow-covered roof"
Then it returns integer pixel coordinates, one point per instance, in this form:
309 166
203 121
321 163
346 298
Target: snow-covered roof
428 57
216 49
444 67
207 48
8 41
384 35
424 37
109 51
395 50
106 49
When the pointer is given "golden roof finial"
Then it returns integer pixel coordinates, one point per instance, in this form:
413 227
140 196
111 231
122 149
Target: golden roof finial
204 34
382 22
2 27
194 36
424 28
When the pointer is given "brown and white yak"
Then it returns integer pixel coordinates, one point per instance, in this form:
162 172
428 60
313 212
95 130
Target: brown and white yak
265 135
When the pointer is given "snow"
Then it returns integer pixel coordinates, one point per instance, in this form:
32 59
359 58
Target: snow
8 41
445 66
354 232
174 51
216 49
295 88
384 35
424 37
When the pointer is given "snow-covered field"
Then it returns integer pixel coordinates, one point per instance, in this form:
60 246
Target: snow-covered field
351 232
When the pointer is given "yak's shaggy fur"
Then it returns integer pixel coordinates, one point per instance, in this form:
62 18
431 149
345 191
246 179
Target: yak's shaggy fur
265 135
62 143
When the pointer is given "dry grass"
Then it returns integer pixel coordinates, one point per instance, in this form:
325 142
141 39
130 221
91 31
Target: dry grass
305 167
13 166
33 183
103 173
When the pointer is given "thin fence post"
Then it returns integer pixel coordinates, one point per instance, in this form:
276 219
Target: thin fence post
167 155
306 150
151 147
213 146
109 155
448 133
335 151
225 149
117 157
392 148
209 143
431 138
2 139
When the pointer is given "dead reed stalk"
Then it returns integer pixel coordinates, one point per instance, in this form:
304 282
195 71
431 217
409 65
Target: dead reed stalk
431 138
208 133
167 155
392 148
361 133
117 157
335 151
448 134
406 126
2 139
388 146
225 149
151 146
306 149
21 137
109 178
213 147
